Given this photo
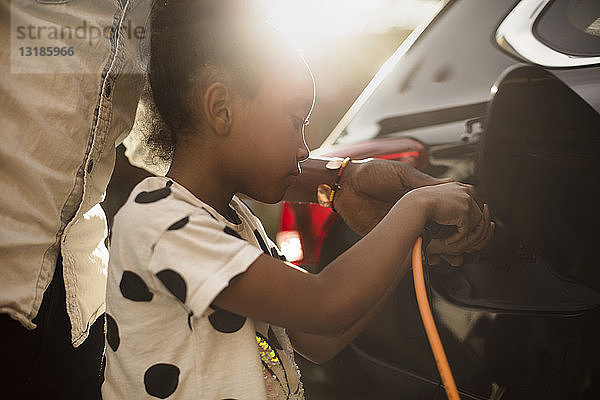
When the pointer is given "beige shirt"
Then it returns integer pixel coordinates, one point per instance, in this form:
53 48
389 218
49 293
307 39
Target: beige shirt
61 116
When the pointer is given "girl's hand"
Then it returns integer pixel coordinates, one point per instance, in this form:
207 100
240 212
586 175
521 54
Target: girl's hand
455 204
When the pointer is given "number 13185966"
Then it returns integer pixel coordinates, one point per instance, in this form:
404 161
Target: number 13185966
47 51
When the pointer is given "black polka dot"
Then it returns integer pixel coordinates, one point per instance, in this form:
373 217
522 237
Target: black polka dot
231 232
233 216
174 282
261 242
161 380
276 254
154 195
273 341
134 288
190 316
112 333
225 321
179 224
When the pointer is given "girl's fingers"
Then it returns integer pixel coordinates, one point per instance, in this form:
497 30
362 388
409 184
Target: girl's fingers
471 223
473 240
480 237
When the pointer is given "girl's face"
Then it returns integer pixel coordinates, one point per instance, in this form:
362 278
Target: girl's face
270 129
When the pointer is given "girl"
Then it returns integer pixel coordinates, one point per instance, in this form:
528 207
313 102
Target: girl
200 303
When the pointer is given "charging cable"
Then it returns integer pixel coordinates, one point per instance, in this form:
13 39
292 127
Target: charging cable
432 333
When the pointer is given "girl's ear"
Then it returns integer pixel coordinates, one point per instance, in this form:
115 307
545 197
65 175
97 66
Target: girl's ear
217 108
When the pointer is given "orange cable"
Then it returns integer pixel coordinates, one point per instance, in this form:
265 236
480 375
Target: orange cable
432 334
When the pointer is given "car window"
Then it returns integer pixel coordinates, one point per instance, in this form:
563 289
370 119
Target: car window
571 27
441 74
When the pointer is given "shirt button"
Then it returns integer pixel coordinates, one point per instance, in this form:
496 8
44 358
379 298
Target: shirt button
107 89
90 166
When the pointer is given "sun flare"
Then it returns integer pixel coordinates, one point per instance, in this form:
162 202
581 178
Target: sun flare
307 23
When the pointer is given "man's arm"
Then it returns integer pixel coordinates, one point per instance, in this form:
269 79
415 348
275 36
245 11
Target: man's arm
368 188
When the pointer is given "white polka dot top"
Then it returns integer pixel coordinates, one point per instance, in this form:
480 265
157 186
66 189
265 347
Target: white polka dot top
171 255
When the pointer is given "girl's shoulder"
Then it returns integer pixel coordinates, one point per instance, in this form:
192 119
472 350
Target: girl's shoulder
149 196
156 205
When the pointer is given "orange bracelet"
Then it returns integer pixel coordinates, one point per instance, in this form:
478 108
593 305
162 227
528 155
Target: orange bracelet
336 185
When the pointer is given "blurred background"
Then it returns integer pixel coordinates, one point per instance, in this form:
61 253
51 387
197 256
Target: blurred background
345 42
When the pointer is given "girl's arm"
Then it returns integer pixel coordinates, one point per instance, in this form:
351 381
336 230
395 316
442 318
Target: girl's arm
320 349
333 301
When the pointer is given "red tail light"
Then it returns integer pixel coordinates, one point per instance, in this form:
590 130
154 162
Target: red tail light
301 242
303 227
407 156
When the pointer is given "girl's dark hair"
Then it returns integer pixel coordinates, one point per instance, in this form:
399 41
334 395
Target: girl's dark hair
193 44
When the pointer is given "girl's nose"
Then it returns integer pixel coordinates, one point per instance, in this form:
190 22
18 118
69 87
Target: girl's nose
303 151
